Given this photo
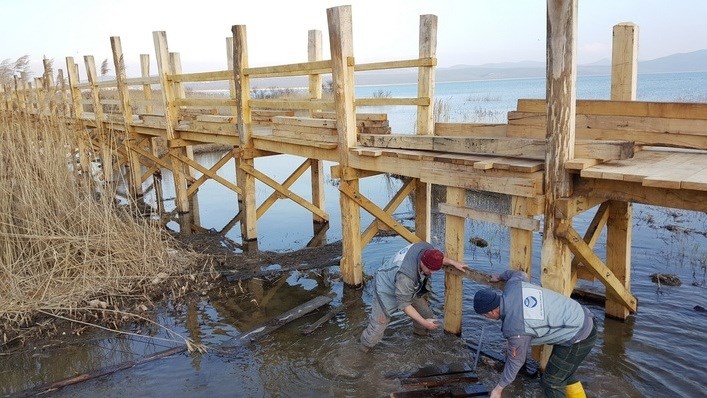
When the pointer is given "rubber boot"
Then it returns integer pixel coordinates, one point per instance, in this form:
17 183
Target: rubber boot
575 390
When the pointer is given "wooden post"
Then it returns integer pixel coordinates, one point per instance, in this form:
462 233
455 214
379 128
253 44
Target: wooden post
555 256
164 68
314 52
244 127
425 121
454 249
624 62
180 93
63 106
146 87
154 141
624 76
77 113
48 86
240 174
342 60
104 143
134 167
520 256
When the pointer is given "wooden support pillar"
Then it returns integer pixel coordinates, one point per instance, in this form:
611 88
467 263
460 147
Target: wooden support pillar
316 166
244 127
624 77
63 108
555 256
154 141
134 167
425 120
164 68
146 87
342 60
48 86
618 253
454 249
103 138
77 114
188 151
240 174
520 256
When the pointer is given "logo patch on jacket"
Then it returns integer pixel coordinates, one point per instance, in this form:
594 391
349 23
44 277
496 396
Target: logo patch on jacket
533 306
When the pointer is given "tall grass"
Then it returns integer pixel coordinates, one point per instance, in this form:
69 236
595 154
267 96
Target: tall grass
65 251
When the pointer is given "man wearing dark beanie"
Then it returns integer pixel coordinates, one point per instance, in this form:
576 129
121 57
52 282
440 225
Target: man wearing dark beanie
401 284
532 315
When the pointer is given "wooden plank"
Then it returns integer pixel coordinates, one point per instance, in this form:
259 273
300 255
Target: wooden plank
672 173
679 110
305 121
432 370
288 140
359 116
442 380
525 223
696 181
688 199
305 129
305 136
471 129
473 390
624 169
282 319
506 147
332 313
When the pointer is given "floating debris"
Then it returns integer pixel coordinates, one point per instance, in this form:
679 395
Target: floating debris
478 242
666 279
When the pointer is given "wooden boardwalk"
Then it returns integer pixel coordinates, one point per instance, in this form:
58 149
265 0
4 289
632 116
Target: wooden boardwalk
554 158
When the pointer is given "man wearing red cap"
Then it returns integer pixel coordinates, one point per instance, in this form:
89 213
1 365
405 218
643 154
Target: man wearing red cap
401 284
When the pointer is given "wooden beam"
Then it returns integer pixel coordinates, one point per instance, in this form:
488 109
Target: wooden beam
580 249
208 172
454 243
284 191
590 238
528 224
339 20
500 146
351 193
393 204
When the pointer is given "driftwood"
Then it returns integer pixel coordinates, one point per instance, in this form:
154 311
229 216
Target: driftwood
99 373
531 368
284 318
332 313
443 380
432 370
472 390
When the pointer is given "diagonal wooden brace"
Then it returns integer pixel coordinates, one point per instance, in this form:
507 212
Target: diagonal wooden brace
581 249
284 191
377 212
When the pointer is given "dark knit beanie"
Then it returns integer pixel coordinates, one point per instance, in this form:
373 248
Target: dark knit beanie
486 300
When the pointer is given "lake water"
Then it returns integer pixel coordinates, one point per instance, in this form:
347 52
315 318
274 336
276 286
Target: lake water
658 352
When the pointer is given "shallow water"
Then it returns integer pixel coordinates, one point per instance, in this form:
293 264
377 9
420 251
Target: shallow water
657 352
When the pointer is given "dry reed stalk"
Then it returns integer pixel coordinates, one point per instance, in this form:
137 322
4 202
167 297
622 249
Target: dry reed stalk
63 248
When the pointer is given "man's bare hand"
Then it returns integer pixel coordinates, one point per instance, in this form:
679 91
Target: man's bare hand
432 324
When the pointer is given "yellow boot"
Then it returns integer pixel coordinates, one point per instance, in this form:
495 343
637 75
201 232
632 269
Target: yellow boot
575 390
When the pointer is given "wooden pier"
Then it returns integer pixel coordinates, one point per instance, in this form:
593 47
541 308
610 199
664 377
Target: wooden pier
555 158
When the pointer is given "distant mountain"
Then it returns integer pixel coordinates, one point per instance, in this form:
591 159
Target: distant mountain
695 61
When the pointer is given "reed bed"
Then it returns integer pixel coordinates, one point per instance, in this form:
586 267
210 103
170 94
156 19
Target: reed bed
66 251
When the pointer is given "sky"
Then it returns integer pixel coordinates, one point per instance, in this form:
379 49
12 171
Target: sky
470 32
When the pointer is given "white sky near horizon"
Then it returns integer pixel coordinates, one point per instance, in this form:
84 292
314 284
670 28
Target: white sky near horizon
471 32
